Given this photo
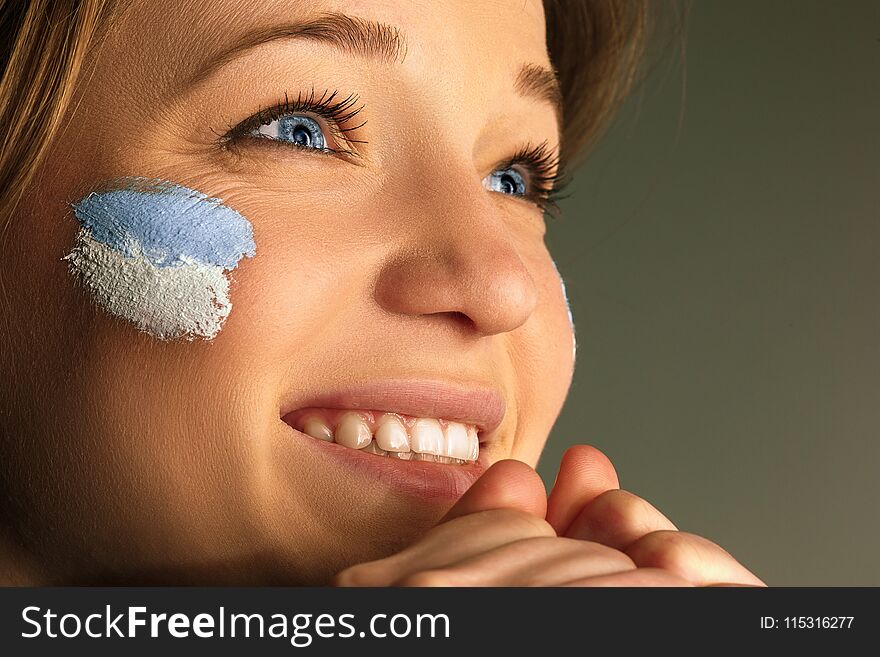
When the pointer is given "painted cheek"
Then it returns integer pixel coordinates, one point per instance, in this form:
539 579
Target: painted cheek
157 254
568 309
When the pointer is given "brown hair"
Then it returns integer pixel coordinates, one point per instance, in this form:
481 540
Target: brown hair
595 46
46 44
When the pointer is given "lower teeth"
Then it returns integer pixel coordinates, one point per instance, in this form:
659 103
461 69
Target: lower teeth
437 459
373 448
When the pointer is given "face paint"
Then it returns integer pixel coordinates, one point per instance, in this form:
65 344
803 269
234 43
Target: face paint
156 254
568 308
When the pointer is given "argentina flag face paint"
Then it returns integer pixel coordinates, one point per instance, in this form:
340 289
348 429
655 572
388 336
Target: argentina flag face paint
157 254
568 310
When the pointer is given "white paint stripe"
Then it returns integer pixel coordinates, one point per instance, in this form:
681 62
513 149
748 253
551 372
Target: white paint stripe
190 300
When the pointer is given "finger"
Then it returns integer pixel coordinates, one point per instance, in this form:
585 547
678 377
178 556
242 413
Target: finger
507 503
449 543
654 577
739 586
544 561
617 518
584 473
693 557
506 484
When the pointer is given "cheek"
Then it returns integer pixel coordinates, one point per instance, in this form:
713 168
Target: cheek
559 340
544 362
554 348
158 254
569 316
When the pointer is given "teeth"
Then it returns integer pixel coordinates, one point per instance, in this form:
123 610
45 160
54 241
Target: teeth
458 442
373 448
474 443
405 438
353 431
391 435
317 429
426 437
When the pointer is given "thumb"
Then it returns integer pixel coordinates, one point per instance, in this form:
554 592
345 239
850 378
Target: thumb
507 484
584 473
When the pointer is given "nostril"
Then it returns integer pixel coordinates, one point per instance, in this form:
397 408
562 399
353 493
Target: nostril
458 319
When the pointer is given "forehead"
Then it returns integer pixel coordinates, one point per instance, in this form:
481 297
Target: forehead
178 38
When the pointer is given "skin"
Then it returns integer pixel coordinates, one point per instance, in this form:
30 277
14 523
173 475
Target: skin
168 462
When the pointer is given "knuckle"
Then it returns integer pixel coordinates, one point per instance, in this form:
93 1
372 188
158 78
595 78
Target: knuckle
621 559
537 544
524 523
669 550
621 509
591 552
693 557
576 548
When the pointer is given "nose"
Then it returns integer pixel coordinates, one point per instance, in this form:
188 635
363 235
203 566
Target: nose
463 263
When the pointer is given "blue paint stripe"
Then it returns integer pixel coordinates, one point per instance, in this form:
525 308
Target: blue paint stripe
168 222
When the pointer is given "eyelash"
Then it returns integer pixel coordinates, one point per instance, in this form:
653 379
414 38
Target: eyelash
337 113
545 177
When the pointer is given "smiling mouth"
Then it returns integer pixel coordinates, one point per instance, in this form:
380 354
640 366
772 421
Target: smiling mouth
392 435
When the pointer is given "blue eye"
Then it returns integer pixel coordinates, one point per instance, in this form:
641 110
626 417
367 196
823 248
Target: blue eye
506 181
295 129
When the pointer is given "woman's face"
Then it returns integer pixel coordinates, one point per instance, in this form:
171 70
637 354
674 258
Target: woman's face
408 276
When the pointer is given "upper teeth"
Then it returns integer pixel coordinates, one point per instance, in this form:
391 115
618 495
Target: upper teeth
394 435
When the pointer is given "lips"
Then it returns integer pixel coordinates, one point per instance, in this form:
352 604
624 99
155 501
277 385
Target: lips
480 406
420 436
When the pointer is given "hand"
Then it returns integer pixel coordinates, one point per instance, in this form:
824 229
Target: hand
497 535
586 503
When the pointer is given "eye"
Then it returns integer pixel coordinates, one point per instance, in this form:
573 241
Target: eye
311 121
506 181
295 129
532 174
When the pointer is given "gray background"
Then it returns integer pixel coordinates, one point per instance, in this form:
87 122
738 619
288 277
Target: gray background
721 256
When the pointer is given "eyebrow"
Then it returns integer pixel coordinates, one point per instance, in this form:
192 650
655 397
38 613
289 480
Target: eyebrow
351 35
541 83
374 40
